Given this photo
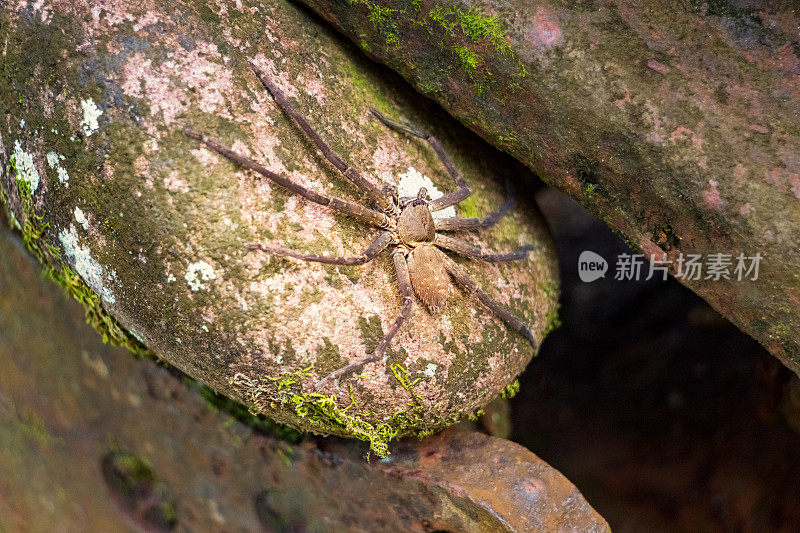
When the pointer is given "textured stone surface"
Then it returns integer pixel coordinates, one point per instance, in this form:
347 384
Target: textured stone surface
675 122
147 227
82 423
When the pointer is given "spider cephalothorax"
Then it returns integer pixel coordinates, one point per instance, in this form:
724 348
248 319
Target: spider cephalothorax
406 225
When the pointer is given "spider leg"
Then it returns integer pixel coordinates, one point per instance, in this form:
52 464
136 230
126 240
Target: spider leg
452 198
460 247
461 276
370 216
378 245
349 172
404 282
458 223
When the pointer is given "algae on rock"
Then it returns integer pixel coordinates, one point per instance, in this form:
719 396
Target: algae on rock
147 227
675 122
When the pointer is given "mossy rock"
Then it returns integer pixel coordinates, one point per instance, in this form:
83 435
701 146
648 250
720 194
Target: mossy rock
677 124
147 228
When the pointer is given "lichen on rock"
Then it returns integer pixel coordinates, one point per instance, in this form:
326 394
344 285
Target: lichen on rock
676 124
147 227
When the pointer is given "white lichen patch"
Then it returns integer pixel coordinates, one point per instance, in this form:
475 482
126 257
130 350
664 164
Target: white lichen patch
90 115
430 370
411 182
26 170
136 335
80 218
197 273
54 161
81 259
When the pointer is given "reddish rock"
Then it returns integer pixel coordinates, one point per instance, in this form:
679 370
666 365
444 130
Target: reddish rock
92 439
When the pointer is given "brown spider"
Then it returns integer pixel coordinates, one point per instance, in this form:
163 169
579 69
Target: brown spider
406 224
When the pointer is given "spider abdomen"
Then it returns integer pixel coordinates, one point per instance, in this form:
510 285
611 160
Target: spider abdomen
429 278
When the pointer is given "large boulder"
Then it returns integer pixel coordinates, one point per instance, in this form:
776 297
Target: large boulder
91 439
675 122
147 227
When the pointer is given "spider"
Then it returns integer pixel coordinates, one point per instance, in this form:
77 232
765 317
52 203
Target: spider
406 225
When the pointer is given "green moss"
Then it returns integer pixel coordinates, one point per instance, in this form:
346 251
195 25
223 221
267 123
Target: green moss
358 78
467 365
475 26
469 31
404 377
208 15
478 27
780 331
552 321
474 417
257 422
329 358
470 61
324 414
285 381
362 40
478 30
34 228
412 419
383 18
440 14
510 390
33 233
511 138
468 208
371 331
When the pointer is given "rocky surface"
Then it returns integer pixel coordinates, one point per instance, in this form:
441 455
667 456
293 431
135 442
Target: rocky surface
147 228
91 438
675 122
664 414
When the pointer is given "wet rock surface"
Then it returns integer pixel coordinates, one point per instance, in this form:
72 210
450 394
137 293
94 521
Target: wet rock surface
92 438
676 123
147 227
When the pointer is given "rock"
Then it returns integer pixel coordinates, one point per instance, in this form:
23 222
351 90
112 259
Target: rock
101 440
676 123
147 227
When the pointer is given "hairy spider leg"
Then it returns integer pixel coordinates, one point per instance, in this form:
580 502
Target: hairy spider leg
463 279
365 214
460 247
378 245
404 283
451 198
459 223
380 197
